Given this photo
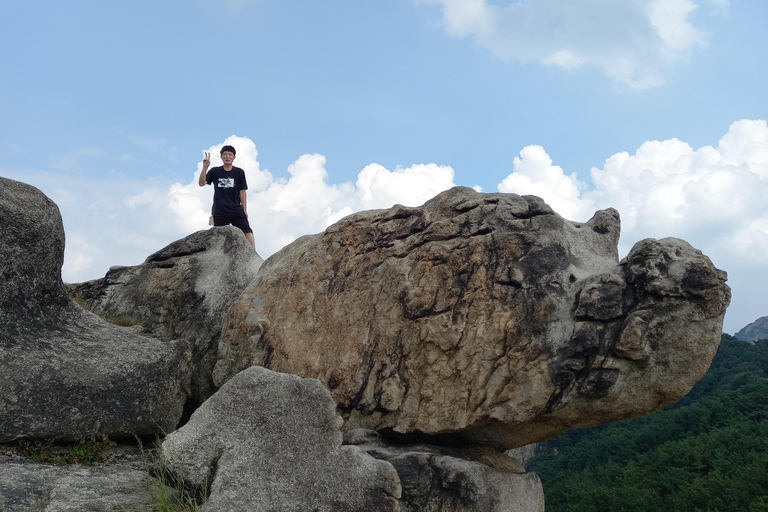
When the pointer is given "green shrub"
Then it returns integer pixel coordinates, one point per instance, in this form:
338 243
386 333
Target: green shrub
84 452
708 452
122 320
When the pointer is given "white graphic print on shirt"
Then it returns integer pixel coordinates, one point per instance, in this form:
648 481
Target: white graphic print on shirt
226 182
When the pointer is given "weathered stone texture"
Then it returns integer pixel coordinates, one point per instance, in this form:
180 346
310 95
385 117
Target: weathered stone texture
29 487
182 291
454 478
272 442
524 454
483 317
67 374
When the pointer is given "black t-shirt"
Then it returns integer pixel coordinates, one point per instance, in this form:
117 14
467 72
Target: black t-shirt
227 186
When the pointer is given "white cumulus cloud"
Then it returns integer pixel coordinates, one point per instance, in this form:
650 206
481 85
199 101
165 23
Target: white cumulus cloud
378 187
130 219
534 174
633 42
713 197
669 187
281 210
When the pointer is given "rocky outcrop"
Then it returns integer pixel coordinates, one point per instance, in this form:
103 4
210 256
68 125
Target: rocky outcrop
757 330
481 318
478 322
182 291
272 442
67 374
454 479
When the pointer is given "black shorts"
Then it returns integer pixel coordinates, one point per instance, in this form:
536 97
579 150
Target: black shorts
237 218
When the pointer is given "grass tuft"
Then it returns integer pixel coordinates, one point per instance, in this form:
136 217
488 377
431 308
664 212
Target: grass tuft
169 492
122 320
79 300
85 452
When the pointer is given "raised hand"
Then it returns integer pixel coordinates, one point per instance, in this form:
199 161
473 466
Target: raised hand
206 162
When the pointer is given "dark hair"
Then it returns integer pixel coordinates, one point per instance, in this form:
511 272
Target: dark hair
228 148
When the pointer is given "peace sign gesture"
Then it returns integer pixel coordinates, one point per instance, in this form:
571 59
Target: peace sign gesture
206 160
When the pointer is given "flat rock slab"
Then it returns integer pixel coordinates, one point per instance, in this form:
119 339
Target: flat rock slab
272 442
31 486
86 377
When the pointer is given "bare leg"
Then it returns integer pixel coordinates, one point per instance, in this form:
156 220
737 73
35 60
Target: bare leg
250 238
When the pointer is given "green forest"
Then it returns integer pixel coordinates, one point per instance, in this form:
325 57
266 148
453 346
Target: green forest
708 452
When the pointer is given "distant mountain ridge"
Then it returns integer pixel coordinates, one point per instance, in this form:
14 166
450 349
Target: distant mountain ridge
757 330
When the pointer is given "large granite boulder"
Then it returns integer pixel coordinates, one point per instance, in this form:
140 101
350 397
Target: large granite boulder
482 318
182 291
272 442
65 373
454 478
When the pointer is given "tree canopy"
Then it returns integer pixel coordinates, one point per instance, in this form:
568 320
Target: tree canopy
708 452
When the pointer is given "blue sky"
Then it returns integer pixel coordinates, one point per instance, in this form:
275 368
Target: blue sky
338 106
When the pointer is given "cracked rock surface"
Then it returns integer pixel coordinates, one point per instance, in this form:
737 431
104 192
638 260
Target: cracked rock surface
481 318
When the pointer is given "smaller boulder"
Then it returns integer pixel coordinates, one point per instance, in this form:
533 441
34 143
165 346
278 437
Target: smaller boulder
268 441
182 291
454 478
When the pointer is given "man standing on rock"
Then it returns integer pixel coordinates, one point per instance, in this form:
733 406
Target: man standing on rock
230 202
